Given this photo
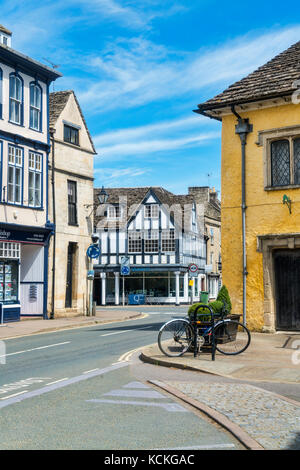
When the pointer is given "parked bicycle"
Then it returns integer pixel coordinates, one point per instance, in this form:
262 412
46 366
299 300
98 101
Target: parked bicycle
226 335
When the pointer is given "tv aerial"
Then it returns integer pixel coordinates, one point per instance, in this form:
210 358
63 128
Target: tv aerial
54 66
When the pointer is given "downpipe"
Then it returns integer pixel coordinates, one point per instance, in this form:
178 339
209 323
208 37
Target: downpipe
243 128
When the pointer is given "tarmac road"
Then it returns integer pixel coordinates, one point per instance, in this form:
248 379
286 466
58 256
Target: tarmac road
75 389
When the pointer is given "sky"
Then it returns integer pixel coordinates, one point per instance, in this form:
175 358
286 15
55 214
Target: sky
140 68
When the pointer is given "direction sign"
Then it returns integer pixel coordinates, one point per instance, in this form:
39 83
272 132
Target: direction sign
125 266
93 251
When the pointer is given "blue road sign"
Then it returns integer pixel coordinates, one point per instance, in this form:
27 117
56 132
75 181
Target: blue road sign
93 251
125 270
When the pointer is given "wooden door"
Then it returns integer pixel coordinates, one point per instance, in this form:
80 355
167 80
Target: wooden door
287 289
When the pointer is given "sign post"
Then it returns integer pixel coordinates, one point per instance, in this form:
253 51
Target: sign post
125 271
92 252
193 272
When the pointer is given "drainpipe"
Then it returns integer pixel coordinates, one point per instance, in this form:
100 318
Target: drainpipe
52 132
243 128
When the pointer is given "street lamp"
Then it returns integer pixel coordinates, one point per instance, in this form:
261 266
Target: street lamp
102 196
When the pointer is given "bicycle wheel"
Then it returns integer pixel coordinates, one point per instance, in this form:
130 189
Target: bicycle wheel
231 337
175 337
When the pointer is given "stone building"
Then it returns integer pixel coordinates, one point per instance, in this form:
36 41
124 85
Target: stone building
208 197
71 196
261 192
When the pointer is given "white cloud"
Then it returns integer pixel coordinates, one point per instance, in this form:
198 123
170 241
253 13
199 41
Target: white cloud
117 151
111 177
136 72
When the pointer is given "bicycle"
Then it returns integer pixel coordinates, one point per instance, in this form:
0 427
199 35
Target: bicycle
227 336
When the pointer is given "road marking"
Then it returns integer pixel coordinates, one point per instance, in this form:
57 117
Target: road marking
126 331
92 370
22 384
14 395
202 447
56 381
116 333
61 384
152 394
35 349
172 407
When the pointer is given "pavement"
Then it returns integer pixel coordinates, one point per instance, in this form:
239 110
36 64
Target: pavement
30 326
260 419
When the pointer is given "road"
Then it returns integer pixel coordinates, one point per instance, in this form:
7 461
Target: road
76 389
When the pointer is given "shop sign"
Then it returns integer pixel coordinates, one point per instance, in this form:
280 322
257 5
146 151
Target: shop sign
23 236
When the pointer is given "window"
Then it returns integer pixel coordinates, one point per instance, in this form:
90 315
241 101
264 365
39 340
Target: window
14 178
134 242
151 241
211 236
72 203
71 135
35 178
285 162
10 250
151 211
114 212
168 240
1 78
35 107
15 99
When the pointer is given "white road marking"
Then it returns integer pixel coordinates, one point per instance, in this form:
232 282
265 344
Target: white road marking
35 349
60 384
116 333
172 407
56 381
14 395
92 370
202 447
135 394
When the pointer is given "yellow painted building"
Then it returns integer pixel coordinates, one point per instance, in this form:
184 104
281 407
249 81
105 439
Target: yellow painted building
260 204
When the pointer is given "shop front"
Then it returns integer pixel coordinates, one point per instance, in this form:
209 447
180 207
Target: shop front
23 271
157 287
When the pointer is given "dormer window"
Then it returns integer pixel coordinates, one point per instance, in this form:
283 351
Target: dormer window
114 212
71 134
151 211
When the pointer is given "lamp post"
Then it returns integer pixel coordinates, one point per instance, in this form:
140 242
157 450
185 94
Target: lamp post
102 198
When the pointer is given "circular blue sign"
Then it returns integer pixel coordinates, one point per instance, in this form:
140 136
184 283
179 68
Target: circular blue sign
125 270
93 251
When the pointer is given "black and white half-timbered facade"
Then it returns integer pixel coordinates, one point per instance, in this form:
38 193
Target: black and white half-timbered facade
161 234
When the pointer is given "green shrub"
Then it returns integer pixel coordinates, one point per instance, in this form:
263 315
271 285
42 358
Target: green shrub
216 307
223 296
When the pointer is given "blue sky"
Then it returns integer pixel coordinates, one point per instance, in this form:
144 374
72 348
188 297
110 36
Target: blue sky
139 68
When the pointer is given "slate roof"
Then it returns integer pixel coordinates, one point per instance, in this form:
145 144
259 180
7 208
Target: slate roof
272 80
57 103
5 30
